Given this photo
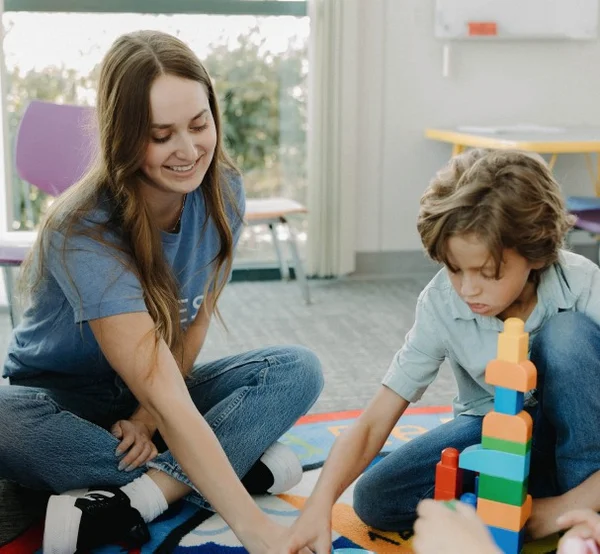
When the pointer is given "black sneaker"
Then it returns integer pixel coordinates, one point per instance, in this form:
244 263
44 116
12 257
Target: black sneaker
93 518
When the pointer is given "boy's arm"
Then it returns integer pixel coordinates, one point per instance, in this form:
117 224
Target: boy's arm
415 366
356 447
352 452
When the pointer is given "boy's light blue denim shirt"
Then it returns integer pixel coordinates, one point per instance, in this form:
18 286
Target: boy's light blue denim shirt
445 328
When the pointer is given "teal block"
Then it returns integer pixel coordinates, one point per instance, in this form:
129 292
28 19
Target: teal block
508 401
495 463
510 542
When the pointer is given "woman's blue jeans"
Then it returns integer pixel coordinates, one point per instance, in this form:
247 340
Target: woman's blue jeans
54 429
566 437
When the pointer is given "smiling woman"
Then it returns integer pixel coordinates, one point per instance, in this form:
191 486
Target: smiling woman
123 280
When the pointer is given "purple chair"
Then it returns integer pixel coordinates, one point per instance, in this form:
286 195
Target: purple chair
587 211
55 146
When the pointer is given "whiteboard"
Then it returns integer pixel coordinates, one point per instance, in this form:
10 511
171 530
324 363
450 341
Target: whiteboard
516 19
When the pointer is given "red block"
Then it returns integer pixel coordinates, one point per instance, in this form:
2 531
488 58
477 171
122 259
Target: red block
448 476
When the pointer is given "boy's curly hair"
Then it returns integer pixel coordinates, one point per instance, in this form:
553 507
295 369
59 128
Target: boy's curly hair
508 199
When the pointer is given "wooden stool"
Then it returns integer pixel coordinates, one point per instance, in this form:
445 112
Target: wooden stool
273 212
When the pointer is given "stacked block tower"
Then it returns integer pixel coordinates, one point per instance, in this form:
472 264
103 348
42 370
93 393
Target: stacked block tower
502 459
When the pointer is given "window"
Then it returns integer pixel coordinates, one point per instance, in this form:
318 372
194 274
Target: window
255 50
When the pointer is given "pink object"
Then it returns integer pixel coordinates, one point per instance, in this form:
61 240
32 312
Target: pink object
54 147
576 545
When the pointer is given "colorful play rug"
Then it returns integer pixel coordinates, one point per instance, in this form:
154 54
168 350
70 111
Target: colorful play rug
184 529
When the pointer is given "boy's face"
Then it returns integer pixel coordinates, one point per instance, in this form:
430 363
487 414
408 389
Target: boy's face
475 277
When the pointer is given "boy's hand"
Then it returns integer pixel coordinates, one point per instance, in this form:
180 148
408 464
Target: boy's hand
584 528
311 532
136 440
452 530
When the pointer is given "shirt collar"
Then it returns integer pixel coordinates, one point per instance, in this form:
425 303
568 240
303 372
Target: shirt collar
554 287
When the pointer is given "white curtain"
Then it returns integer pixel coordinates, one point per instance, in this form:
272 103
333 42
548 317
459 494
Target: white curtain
6 192
332 140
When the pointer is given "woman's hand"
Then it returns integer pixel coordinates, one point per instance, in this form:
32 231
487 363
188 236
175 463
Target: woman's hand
136 440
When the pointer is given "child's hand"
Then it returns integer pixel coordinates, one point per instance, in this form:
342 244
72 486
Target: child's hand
311 532
440 528
583 535
576 545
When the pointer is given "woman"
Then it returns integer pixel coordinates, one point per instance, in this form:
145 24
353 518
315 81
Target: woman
123 281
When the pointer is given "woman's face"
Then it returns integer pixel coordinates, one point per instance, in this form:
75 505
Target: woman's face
183 136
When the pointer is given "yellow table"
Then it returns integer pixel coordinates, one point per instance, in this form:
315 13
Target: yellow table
571 140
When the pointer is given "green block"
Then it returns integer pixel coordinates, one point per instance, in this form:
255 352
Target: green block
502 490
502 445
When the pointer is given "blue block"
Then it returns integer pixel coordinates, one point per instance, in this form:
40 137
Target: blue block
495 463
508 401
469 498
510 542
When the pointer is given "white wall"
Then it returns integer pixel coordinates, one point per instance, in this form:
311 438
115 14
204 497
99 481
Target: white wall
402 91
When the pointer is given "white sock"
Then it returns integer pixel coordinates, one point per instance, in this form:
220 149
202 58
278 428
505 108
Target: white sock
146 497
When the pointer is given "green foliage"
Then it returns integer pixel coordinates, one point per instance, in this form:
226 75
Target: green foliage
263 101
262 96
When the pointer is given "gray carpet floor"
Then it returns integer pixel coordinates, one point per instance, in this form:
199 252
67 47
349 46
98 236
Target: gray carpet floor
354 326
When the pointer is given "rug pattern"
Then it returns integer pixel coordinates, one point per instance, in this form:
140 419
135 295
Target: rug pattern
185 529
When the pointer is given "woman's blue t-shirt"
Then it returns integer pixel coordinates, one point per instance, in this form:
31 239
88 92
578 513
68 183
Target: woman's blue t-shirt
90 282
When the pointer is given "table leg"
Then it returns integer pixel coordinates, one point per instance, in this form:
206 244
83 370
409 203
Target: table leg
457 149
552 161
283 268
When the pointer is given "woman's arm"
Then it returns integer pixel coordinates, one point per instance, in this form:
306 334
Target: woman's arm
193 341
151 373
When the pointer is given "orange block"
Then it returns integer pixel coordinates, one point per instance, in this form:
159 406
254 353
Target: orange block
513 342
504 516
448 476
519 376
516 428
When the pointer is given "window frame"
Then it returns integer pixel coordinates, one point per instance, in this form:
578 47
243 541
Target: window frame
297 8
209 7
